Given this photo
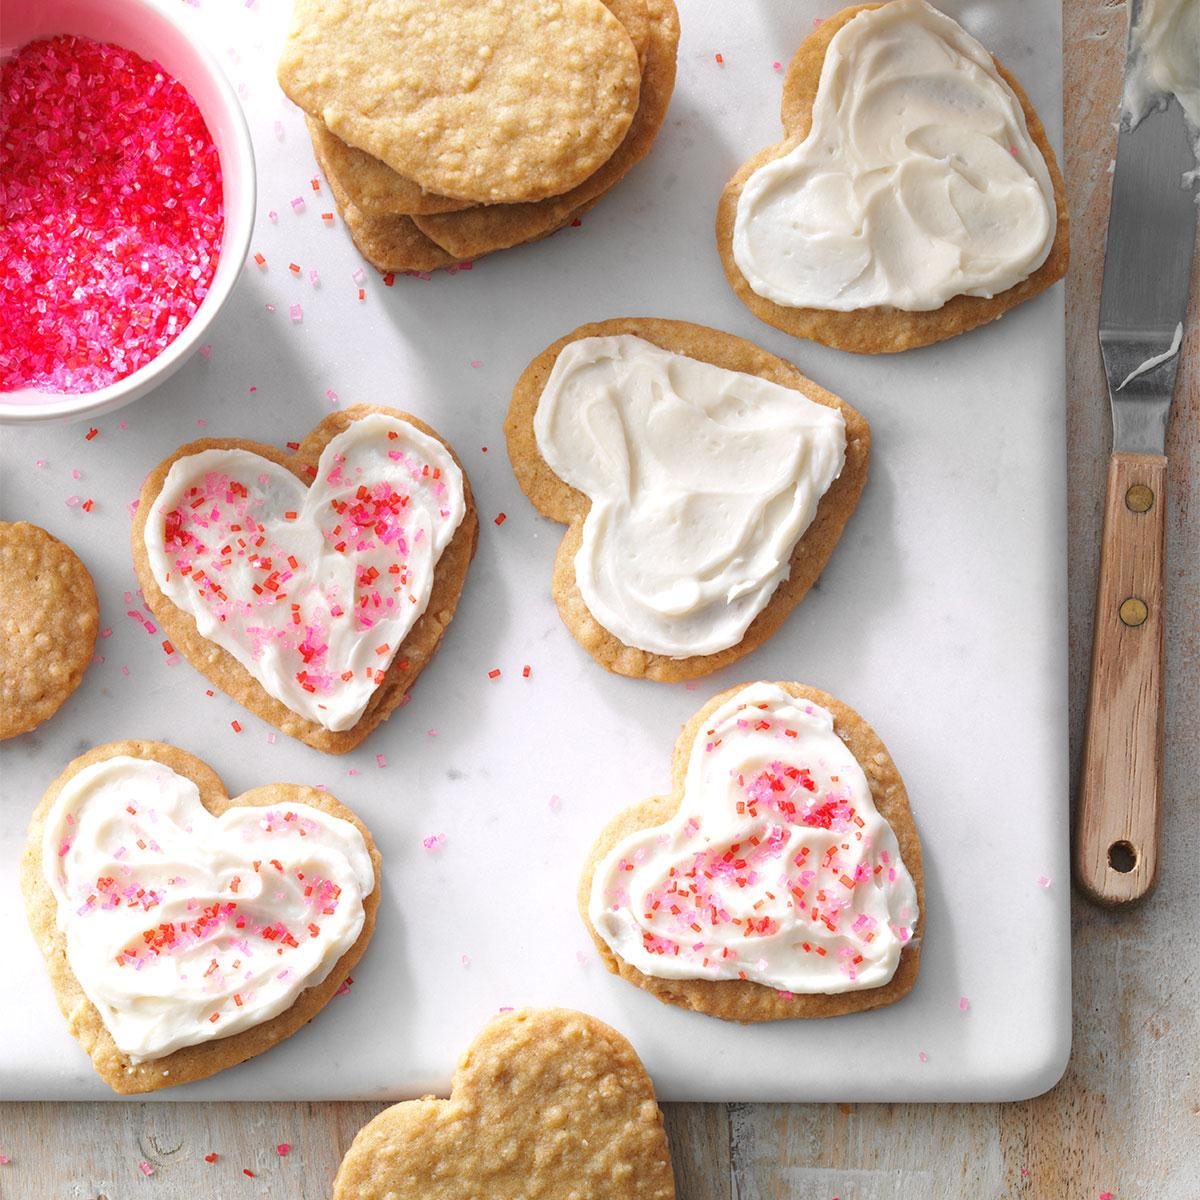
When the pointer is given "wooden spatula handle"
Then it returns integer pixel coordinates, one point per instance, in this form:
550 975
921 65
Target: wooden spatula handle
1120 793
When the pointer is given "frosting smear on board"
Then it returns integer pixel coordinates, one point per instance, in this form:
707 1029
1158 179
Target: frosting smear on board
1164 59
701 480
311 589
918 180
777 868
183 927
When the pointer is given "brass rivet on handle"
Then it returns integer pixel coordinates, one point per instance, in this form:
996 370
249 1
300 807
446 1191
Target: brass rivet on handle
1139 498
1133 611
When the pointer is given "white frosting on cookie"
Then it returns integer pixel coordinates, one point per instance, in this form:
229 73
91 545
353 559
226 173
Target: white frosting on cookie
183 927
777 868
701 481
918 180
312 589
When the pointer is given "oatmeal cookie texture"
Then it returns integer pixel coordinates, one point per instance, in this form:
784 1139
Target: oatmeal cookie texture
819 237
782 876
485 102
153 985
49 620
546 1104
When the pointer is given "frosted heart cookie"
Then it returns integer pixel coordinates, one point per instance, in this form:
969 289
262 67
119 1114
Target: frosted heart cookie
703 481
49 619
546 1103
780 878
491 103
185 931
315 586
915 197
479 231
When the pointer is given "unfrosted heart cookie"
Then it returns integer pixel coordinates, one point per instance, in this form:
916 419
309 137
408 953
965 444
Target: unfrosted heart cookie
185 931
313 587
49 619
780 878
492 103
704 483
547 1104
479 231
915 196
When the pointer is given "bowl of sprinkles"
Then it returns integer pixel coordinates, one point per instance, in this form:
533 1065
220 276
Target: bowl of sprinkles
127 197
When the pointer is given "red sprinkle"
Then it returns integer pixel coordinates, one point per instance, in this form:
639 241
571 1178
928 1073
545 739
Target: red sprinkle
501 518
112 214
284 1148
211 1158
526 671
720 59
494 673
235 727
248 1173
91 433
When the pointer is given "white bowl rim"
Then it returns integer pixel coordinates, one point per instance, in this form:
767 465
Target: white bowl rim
235 241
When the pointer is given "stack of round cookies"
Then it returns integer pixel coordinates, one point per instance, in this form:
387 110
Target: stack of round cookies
451 128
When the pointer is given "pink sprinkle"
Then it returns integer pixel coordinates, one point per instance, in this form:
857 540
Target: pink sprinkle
73 501
923 1056
270 739
145 1168
76 473
40 464
431 732
581 958
106 633
464 961
506 1008
113 214
777 66
434 842
556 804
476 363
298 204
206 352
1043 881
345 986
273 216
331 396
380 761
4 1160
283 1149
202 422
1106 1196
963 1004
313 277
358 275
297 314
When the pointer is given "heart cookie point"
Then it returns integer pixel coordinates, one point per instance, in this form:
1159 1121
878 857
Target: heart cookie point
782 878
185 931
545 1103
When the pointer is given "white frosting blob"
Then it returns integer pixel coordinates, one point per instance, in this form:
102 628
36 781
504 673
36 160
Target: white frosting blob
1165 59
701 481
312 589
182 927
918 180
777 867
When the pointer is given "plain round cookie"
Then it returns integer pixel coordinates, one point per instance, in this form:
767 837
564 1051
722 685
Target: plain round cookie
742 1000
492 103
221 668
547 1104
83 1019
880 329
49 620
560 502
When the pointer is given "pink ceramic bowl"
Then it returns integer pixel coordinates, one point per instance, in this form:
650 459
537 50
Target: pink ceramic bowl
156 30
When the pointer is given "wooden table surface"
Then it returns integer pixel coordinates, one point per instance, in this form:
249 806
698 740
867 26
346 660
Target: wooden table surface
1126 1117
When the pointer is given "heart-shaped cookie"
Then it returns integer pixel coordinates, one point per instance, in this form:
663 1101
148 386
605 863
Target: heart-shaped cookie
547 1104
914 197
492 103
479 231
704 483
313 587
782 876
185 931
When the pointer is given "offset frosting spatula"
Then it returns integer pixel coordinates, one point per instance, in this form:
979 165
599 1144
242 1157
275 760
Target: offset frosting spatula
1143 303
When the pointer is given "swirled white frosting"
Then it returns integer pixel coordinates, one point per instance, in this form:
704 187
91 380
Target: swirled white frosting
183 927
312 589
701 481
777 868
918 180
1165 59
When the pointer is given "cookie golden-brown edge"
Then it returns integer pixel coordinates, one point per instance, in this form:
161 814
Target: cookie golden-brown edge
741 1000
878 330
555 499
49 622
222 669
83 1019
545 1102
